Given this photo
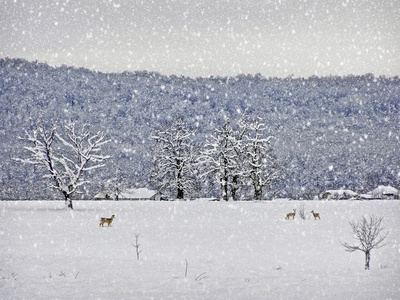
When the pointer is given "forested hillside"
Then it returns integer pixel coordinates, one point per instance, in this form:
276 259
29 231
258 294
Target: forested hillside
329 133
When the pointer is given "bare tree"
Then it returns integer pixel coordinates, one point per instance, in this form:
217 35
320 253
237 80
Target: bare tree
370 235
65 162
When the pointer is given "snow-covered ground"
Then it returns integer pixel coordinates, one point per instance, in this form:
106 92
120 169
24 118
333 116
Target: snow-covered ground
193 250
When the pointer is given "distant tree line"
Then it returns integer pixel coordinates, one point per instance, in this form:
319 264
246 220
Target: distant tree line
328 132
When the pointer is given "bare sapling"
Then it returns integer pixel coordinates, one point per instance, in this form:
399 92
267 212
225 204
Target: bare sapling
302 212
316 215
370 235
137 245
293 214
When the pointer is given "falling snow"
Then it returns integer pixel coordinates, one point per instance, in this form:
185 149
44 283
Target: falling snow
322 75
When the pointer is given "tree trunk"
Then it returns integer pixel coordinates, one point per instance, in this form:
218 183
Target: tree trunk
258 193
367 259
68 201
234 187
224 188
179 180
257 188
180 194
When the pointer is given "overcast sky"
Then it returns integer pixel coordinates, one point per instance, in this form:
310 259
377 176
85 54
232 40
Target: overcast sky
207 37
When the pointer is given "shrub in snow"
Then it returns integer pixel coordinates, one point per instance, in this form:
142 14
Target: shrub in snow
302 212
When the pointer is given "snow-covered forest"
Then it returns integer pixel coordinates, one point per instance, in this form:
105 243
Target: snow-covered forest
328 132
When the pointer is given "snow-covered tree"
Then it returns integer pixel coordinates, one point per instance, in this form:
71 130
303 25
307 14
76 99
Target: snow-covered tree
217 158
116 185
65 159
174 158
240 155
260 163
239 148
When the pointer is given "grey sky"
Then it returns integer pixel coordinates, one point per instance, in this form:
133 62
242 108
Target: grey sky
205 37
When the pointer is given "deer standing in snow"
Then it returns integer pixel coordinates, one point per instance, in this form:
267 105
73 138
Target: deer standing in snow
316 215
290 215
106 220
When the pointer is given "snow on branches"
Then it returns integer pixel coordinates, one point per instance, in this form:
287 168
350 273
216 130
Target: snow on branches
238 155
218 157
174 156
76 153
261 165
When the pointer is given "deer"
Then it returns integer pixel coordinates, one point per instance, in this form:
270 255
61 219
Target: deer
290 215
316 215
106 220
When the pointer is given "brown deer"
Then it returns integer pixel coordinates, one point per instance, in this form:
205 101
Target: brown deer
106 220
316 215
290 215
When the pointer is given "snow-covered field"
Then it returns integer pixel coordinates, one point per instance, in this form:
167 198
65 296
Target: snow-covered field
193 250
